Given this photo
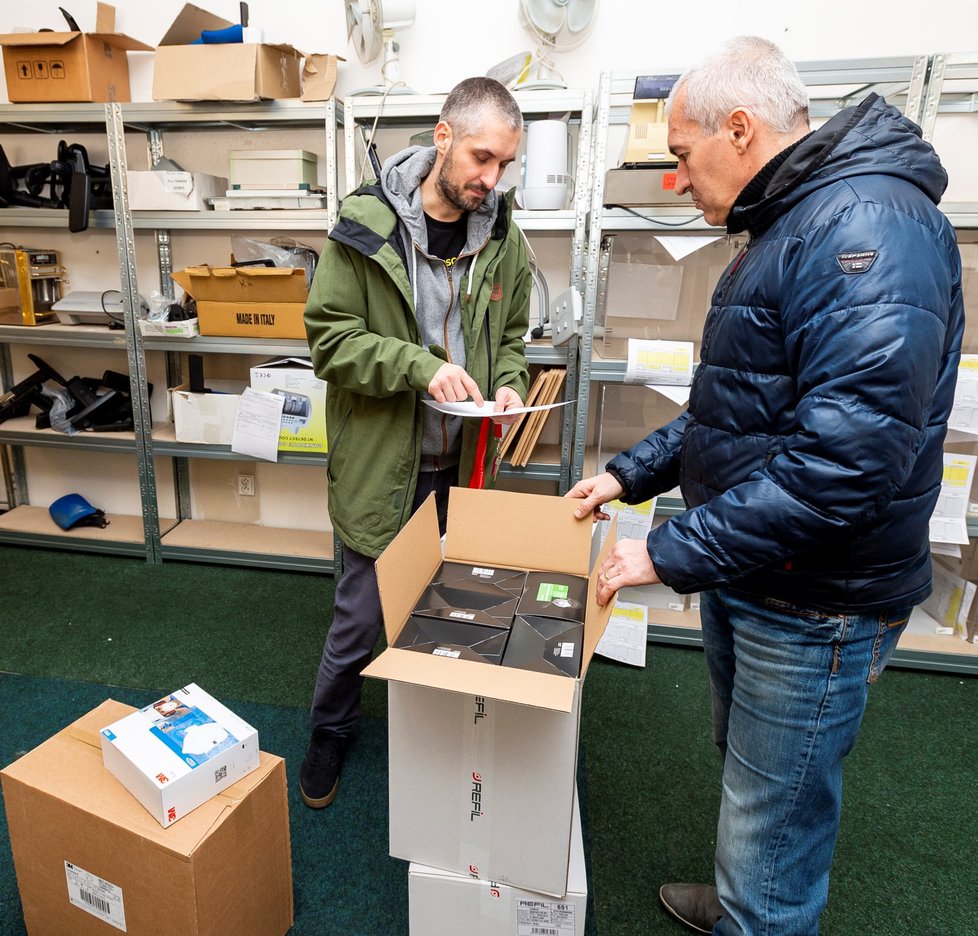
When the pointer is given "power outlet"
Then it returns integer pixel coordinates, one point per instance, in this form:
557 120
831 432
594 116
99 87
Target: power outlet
246 485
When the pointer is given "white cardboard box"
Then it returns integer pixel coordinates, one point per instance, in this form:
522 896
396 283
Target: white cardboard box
170 190
493 795
177 753
446 904
304 412
206 418
271 169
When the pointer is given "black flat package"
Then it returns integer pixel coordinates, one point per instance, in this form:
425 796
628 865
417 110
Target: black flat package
473 594
554 595
455 639
545 645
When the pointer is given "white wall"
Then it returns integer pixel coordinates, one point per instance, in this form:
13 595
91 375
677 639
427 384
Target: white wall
450 41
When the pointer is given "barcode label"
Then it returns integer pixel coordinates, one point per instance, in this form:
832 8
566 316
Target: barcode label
220 773
96 896
545 918
445 652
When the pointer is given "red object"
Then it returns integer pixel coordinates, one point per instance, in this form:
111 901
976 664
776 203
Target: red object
478 478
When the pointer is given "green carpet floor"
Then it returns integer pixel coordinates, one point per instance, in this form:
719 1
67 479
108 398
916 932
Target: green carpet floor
95 626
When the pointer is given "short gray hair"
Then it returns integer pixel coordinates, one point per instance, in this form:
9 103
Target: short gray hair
745 72
471 99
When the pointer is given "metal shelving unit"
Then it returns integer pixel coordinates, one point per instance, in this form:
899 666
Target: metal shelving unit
154 120
410 111
921 86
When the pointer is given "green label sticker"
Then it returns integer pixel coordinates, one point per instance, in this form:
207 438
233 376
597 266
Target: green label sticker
550 590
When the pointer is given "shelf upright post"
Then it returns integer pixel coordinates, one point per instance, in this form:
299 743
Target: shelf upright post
599 148
142 419
577 273
935 86
14 467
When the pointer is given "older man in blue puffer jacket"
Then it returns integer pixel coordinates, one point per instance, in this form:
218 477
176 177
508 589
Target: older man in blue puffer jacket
810 457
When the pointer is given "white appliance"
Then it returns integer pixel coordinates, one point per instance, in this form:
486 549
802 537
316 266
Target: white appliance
545 180
370 26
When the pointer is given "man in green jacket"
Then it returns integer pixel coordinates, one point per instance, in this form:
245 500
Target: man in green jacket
422 292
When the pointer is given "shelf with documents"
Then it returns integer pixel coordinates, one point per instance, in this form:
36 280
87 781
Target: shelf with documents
159 466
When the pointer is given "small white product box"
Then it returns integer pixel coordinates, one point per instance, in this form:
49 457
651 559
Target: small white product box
177 753
303 427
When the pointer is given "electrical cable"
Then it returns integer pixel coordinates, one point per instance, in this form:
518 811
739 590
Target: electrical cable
658 221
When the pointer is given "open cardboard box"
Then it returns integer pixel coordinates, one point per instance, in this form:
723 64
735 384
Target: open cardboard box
70 66
493 795
258 302
91 860
238 71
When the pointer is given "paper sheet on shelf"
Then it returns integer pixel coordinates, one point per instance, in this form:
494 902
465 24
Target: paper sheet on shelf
257 423
488 408
659 362
627 634
948 523
677 394
682 246
963 421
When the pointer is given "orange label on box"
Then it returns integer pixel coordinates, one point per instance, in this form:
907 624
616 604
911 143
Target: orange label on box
669 181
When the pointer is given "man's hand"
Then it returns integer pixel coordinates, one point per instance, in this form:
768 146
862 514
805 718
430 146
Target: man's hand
595 493
627 564
451 384
506 398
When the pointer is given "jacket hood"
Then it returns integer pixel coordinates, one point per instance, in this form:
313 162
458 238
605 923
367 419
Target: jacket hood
401 177
871 138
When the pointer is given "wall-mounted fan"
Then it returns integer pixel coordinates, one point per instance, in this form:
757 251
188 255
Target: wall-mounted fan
557 26
370 26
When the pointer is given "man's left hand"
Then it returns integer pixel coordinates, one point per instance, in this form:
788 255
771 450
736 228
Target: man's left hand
627 564
506 398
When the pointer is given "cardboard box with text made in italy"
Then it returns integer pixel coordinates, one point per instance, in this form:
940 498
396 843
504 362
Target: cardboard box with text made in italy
493 795
257 302
70 66
232 71
91 860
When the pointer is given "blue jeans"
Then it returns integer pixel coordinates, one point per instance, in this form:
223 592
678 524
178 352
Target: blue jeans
789 689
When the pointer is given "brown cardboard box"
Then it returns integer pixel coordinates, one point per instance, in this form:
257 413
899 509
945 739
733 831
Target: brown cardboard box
226 72
319 76
70 66
89 857
259 302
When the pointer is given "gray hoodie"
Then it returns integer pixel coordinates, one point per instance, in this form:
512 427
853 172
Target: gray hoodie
437 288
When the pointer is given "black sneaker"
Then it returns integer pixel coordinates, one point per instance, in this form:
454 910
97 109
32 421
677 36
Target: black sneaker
319 776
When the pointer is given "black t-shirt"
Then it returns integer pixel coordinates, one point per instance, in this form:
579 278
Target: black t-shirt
446 239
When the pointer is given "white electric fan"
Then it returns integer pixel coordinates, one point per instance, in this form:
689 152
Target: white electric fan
557 26
370 25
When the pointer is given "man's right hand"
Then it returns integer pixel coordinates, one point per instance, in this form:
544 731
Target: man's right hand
451 384
595 493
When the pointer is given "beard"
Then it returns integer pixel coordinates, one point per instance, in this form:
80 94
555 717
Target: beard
464 198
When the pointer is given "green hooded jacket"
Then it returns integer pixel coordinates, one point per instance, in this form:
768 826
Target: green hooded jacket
364 341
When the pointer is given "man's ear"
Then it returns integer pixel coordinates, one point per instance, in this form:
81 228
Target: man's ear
442 137
740 129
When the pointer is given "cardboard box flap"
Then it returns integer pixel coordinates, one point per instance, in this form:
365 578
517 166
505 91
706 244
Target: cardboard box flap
405 568
597 617
189 23
470 678
119 40
243 284
521 522
284 47
38 39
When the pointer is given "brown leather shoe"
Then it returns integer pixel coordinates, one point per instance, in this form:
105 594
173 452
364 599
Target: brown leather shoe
694 905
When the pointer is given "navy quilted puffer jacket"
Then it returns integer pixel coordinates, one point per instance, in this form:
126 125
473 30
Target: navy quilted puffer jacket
810 456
